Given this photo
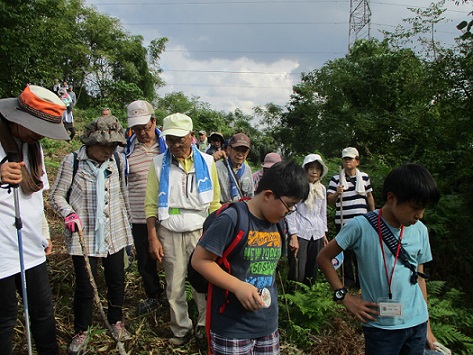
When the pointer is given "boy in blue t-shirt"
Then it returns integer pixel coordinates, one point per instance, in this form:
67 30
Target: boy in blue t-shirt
393 302
240 321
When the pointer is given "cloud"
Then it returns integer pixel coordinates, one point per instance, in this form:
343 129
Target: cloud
212 42
242 82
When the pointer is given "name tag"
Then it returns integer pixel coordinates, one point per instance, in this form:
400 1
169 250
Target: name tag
390 309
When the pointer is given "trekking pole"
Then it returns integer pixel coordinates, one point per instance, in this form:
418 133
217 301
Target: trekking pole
340 170
231 173
120 345
13 157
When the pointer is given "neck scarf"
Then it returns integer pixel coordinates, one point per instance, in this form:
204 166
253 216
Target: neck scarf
99 174
31 181
231 175
315 192
359 186
204 182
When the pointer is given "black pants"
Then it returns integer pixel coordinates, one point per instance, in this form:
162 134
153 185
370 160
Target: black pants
70 127
83 297
147 266
40 308
304 268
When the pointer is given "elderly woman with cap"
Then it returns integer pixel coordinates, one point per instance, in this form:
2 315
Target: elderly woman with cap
24 121
90 193
269 160
308 225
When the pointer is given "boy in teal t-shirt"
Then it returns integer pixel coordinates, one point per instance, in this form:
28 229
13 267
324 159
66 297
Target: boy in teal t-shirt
393 303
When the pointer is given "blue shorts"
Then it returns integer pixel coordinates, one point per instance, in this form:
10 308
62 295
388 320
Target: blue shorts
267 345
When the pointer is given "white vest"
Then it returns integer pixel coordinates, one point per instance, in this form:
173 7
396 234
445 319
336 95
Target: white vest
186 212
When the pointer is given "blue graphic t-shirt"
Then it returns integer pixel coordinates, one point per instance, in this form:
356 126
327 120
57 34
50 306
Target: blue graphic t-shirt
255 263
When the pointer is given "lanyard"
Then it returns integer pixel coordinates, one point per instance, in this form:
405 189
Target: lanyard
389 279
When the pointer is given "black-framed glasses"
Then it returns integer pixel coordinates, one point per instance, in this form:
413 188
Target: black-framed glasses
289 210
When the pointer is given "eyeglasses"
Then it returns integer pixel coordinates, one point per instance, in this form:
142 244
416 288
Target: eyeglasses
146 128
172 141
241 150
289 210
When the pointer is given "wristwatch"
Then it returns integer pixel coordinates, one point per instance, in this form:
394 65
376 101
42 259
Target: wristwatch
339 294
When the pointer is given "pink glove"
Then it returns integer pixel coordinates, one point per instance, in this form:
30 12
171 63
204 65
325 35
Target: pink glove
73 222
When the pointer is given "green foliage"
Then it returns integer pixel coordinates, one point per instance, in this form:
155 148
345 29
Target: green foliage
450 320
310 309
66 40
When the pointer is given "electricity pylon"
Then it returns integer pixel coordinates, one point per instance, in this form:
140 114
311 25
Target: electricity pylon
360 21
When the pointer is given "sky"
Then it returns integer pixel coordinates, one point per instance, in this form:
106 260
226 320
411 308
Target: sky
244 54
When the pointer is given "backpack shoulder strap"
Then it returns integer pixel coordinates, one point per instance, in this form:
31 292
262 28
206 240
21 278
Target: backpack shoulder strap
118 156
241 229
75 166
282 229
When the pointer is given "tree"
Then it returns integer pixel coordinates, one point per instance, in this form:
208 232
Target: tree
65 40
422 30
375 98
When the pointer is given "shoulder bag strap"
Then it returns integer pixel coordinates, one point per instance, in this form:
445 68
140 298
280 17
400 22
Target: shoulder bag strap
391 242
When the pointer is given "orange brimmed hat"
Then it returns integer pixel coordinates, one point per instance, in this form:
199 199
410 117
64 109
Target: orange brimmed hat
37 109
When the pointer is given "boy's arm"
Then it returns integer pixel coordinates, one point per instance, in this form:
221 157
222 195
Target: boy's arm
363 310
430 336
203 261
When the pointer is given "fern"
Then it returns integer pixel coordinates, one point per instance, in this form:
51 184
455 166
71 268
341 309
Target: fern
311 307
451 322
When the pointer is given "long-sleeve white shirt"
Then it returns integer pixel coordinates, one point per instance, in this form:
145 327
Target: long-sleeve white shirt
309 223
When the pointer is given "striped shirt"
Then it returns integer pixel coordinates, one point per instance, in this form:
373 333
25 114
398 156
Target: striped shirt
354 204
139 163
83 201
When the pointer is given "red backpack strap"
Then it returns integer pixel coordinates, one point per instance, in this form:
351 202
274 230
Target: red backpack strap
242 226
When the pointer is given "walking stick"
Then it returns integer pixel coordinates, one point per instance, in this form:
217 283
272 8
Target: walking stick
13 157
232 176
120 344
340 170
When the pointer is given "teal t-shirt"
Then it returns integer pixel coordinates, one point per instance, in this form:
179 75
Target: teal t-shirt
360 236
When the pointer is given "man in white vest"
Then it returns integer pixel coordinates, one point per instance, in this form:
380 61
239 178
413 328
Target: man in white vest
182 190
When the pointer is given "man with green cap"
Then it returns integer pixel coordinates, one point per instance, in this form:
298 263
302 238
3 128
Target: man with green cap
182 190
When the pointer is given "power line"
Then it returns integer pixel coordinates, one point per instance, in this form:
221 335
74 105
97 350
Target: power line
228 72
231 86
251 52
217 2
234 23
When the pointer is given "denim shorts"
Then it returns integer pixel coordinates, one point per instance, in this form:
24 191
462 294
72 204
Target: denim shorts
409 341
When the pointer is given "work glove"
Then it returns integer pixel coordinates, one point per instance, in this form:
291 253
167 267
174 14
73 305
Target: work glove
73 222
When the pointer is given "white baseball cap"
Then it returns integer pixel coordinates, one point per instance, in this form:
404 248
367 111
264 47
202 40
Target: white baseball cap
350 152
139 112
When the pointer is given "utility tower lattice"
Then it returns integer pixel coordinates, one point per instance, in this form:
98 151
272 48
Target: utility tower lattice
360 21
